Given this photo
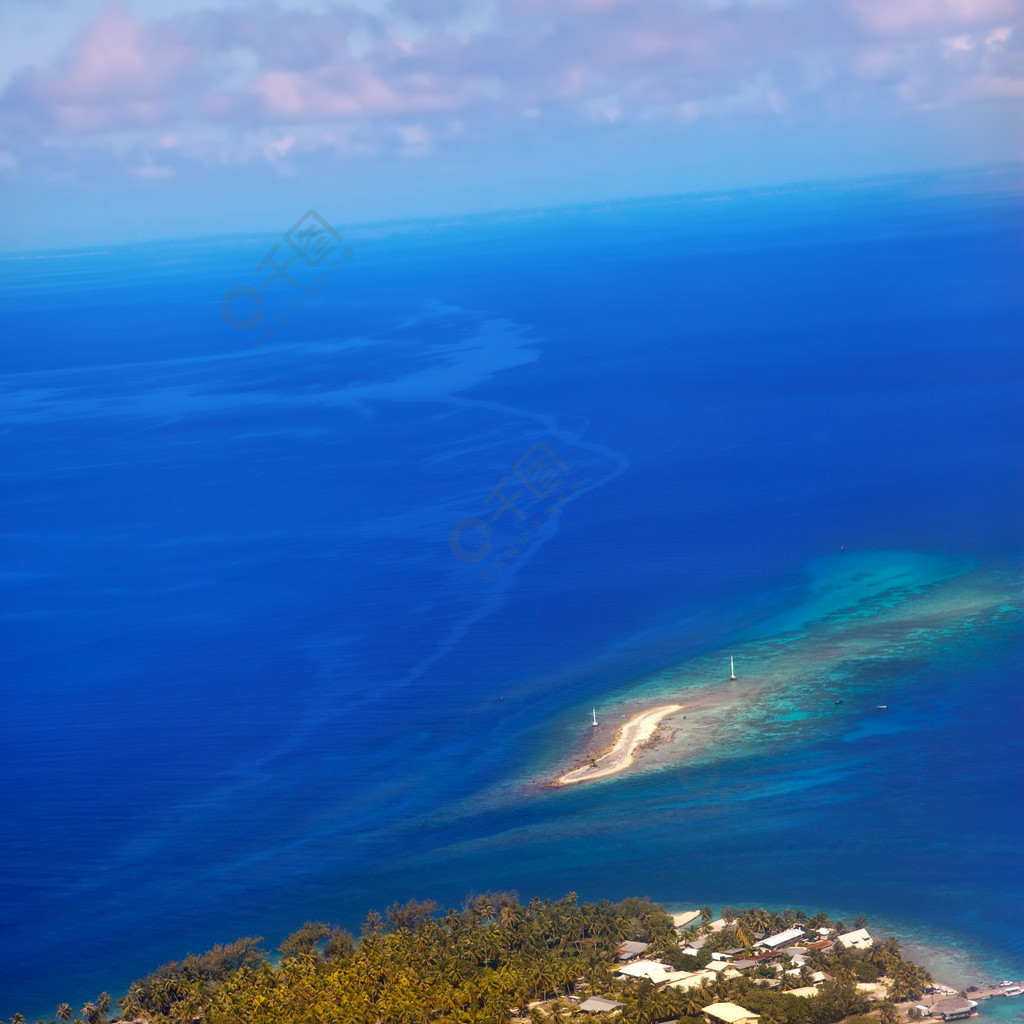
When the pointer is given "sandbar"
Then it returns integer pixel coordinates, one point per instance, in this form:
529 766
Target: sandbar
637 731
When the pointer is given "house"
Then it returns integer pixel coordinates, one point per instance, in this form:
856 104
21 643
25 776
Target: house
782 939
726 954
675 976
857 940
651 969
804 993
744 965
820 944
631 950
723 968
953 1008
770 954
729 1013
717 965
595 1004
694 980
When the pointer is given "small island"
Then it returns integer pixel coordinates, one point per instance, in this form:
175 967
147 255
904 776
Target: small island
632 736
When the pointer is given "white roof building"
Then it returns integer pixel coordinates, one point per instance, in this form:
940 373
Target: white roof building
692 980
652 969
722 967
774 941
730 1013
595 1004
856 940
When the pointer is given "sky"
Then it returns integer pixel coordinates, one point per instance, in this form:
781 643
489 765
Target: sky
143 119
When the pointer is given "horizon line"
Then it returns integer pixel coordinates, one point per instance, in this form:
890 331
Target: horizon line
1012 171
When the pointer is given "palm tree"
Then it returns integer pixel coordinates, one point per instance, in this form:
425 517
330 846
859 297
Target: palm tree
692 1006
908 981
103 1003
758 918
705 916
131 1004
888 1014
64 1013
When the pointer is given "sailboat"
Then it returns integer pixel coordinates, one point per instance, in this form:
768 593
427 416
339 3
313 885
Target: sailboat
732 668
595 717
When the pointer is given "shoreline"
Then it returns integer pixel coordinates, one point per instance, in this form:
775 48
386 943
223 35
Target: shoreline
795 685
632 736
957 965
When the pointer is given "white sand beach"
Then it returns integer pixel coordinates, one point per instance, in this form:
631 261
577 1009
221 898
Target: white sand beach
634 733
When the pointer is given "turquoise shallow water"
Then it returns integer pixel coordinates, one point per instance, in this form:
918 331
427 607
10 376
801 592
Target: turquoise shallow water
824 666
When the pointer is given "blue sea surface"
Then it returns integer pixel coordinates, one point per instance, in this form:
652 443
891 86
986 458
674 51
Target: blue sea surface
292 629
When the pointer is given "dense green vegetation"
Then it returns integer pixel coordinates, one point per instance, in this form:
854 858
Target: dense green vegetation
496 961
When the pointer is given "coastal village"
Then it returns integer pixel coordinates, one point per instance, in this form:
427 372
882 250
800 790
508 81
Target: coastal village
797 961
498 961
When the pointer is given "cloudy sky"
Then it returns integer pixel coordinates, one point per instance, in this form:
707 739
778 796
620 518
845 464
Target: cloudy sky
152 118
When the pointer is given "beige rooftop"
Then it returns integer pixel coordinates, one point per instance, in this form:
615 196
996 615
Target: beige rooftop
730 1013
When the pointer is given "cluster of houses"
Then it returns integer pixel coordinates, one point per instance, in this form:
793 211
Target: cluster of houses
795 943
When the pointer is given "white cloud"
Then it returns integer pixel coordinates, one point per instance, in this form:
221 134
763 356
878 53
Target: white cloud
957 44
234 83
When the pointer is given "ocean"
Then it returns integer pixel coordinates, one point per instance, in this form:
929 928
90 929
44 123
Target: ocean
301 617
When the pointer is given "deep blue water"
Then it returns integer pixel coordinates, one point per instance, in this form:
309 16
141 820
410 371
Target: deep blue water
247 682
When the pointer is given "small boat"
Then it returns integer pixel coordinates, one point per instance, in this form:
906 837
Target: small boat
839 702
595 717
1013 990
881 707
